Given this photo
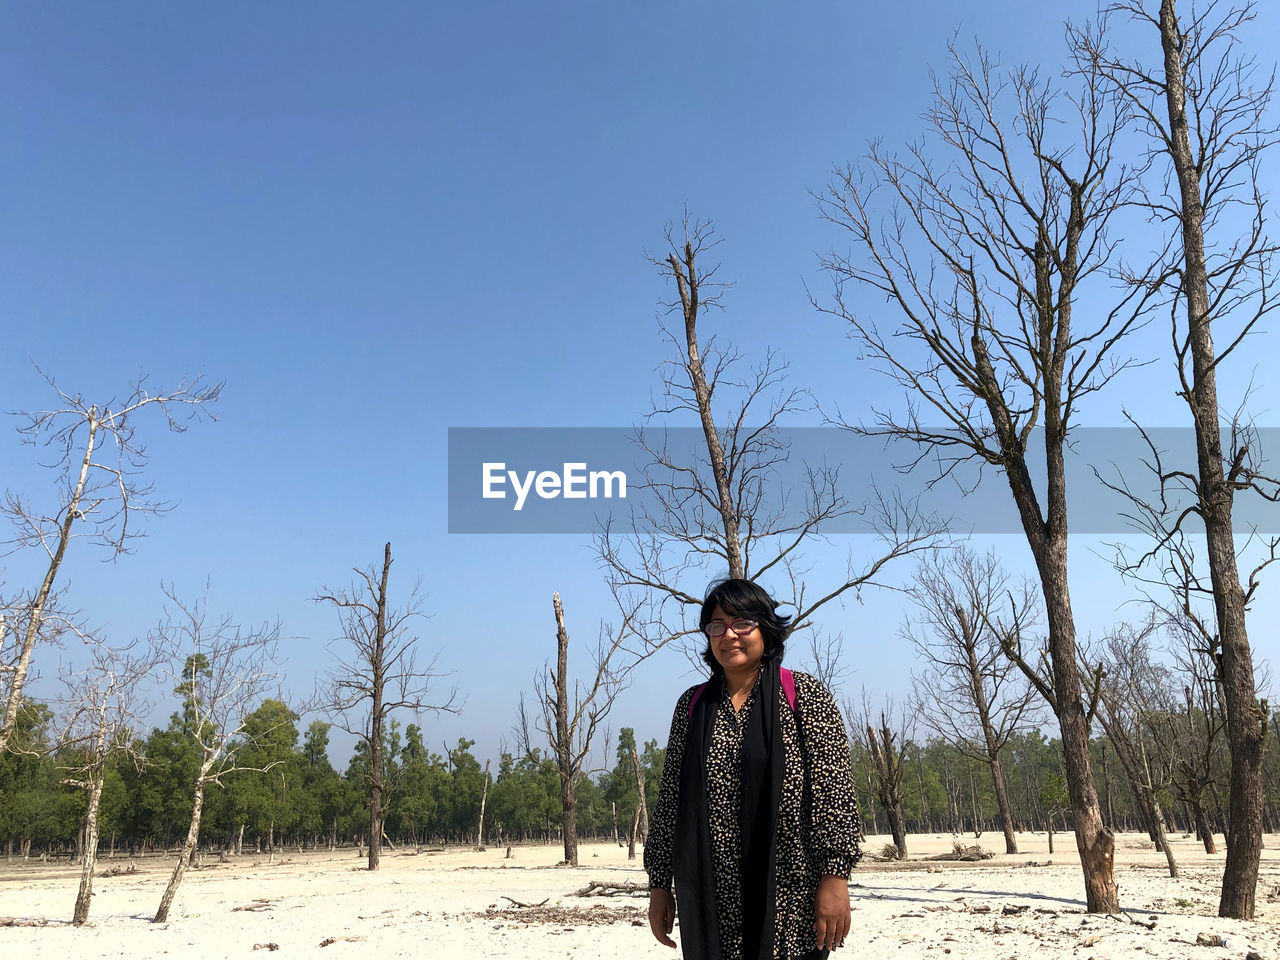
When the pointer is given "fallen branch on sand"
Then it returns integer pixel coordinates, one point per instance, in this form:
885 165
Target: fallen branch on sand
22 922
612 888
255 907
965 854
1150 925
569 917
526 905
328 940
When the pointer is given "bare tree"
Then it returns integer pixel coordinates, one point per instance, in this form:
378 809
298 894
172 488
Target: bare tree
1201 721
226 671
98 457
1133 702
106 699
377 674
484 798
1204 109
571 714
640 828
826 659
968 692
993 230
885 744
723 504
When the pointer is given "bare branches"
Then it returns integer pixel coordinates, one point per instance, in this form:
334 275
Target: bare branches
571 715
382 652
1204 110
981 237
98 455
95 451
884 735
983 257
969 692
1135 704
378 673
226 670
105 700
722 505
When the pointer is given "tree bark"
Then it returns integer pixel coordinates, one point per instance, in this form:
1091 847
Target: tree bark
687 281
1203 827
90 858
1094 841
642 807
35 614
377 807
888 764
180 868
1002 801
1246 723
1162 837
564 739
484 796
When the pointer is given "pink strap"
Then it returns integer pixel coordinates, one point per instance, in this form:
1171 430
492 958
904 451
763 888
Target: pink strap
788 687
788 690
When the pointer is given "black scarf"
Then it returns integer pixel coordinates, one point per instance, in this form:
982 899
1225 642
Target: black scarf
762 769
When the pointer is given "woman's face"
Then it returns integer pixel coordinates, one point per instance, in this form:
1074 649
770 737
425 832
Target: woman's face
736 652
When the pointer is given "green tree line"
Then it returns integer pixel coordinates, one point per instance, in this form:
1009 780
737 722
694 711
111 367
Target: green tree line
294 798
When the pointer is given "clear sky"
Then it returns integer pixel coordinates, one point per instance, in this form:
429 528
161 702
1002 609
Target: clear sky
375 222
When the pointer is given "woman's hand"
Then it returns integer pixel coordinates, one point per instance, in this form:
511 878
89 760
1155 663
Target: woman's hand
662 914
830 912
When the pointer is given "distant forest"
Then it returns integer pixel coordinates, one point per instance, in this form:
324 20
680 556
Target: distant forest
296 800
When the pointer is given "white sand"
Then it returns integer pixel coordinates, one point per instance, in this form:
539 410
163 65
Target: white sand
450 905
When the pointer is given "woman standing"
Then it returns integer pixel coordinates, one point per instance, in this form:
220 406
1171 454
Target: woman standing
756 821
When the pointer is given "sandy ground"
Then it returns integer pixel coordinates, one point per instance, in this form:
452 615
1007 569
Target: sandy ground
454 904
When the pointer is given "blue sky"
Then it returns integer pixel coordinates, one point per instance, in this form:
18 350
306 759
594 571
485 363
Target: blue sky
375 222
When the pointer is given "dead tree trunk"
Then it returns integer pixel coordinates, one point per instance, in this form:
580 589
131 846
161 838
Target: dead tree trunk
642 809
564 739
631 837
377 716
1002 801
90 859
484 796
35 612
97 500
888 768
1246 721
184 855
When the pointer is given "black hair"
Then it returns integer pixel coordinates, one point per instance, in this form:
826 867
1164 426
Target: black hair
744 598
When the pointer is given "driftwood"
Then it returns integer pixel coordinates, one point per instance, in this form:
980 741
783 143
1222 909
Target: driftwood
966 854
23 922
567 917
525 905
612 888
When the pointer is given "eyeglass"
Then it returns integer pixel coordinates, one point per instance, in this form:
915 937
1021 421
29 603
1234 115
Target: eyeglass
741 626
